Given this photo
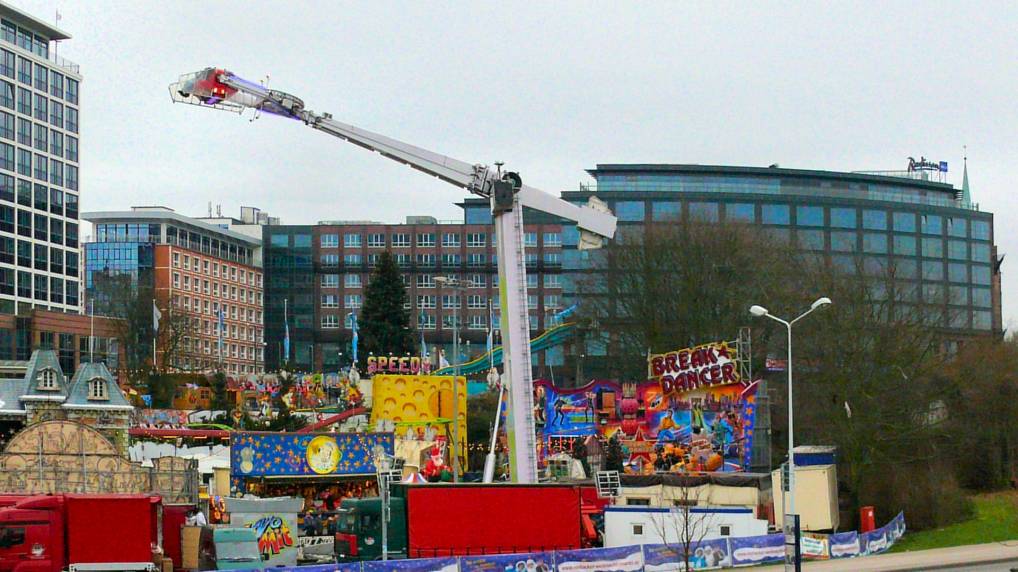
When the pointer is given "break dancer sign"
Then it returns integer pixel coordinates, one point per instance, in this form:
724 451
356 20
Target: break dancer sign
701 367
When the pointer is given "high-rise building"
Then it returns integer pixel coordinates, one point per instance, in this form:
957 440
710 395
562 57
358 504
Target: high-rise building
316 274
39 119
939 242
203 271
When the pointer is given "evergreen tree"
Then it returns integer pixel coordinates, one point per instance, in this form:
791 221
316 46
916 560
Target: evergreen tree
384 321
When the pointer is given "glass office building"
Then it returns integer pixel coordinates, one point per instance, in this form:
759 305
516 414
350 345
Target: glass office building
939 242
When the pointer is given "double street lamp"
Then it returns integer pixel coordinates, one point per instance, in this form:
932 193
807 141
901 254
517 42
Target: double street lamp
453 284
760 311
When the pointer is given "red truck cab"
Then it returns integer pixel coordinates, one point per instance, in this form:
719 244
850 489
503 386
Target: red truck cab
50 533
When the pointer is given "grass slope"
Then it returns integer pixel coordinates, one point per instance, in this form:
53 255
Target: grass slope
996 520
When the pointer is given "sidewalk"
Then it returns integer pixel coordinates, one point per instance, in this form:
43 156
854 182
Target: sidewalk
918 560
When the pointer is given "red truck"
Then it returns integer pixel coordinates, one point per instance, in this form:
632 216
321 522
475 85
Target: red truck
464 519
50 533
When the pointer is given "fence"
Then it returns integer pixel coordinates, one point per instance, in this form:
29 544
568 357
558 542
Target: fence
706 555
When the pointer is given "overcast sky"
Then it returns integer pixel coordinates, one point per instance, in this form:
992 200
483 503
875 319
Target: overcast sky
550 88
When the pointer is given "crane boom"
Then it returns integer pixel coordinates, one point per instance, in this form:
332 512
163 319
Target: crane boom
221 89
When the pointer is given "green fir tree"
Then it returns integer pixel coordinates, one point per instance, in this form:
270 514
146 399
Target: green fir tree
384 321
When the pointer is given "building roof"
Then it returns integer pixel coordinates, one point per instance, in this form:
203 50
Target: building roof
163 214
42 360
773 172
77 395
29 21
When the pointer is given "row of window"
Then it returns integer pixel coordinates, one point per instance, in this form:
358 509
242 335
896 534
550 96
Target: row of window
38 256
426 321
39 107
206 244
38 136
38 226
901 244
24 284
189 363
24 38
425 239
834 217
211 268
214 288
37 196
232 331
234 350
431 260
20 160
427 281
211 308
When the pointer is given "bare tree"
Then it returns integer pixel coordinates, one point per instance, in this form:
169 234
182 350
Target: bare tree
678 282
682 529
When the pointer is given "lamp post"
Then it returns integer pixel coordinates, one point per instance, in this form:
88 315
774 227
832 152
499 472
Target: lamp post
760 311
453 284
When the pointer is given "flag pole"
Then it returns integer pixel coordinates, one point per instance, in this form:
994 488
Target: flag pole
91 331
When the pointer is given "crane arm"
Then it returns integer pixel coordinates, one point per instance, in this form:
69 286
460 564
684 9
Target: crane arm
222 89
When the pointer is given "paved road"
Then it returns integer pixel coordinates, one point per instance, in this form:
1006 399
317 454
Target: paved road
978 557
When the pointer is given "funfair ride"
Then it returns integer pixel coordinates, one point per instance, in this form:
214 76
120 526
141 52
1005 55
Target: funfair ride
221 89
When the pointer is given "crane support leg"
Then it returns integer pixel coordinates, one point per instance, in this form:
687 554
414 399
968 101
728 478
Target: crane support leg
515 325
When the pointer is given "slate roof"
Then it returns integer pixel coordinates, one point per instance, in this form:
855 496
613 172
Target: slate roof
42 360
77 397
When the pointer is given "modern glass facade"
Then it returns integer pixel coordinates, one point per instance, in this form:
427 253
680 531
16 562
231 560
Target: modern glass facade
39 168
940 245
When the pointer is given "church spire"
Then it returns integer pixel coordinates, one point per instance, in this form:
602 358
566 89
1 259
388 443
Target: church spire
966 196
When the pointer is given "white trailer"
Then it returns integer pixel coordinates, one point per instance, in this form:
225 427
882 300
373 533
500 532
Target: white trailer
631 525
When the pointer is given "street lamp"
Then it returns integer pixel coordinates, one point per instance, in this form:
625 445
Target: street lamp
760 311
453 284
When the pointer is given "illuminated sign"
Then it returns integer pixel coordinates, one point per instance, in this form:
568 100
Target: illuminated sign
402 365
688 369
923 165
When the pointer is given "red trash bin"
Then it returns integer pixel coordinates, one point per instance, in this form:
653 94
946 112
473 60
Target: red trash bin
867 520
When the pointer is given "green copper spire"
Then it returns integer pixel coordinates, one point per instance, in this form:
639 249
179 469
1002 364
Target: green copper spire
966 197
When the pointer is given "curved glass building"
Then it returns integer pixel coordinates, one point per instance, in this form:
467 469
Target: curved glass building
939 241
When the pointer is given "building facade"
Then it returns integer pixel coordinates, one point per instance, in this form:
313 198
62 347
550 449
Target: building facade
940 243
316 275
39 179
194 269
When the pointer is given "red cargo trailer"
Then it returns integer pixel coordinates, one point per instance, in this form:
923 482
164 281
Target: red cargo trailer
466 519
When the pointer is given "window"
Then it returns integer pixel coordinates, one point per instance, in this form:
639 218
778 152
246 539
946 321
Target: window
530 239
352 280
450 240
665 210
24 162
7 125
477 281
426 321
400 240
451 260
811 239
531 301
97 389
552 280
7 63
981 230
47 380
774 214
329 260
352 259
426 302
41 164
931 224
531 280
957 227
843 218
72 120
25 71
72 149
842 241
552 259
41 78
809 216
957 250
957 272
376 240
41 107
56 84
637 529
933 247
980 252
531 260
402 260
630 501
426 260
633 211
475 260
904 244
904 222
703 212
56 172
330 321
933 270
425 281
874 242
24 102
478 322
450 301
56 114
476 240
552 301
330 280
476 302
552 239
426 239
329 240
352 240
72 90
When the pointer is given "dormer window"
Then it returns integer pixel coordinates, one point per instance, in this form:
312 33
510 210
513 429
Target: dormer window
47 380
97 389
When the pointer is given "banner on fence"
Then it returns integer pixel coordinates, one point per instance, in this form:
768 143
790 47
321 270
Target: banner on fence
704 555
757 549
621 559
815 546
531 562
414 565
844 544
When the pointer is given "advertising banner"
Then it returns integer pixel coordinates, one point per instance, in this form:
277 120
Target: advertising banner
414 565
704 555
689 369
874 542
707 429
757 549
530 562
622 559
348 567
814 546
844 544
306 454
